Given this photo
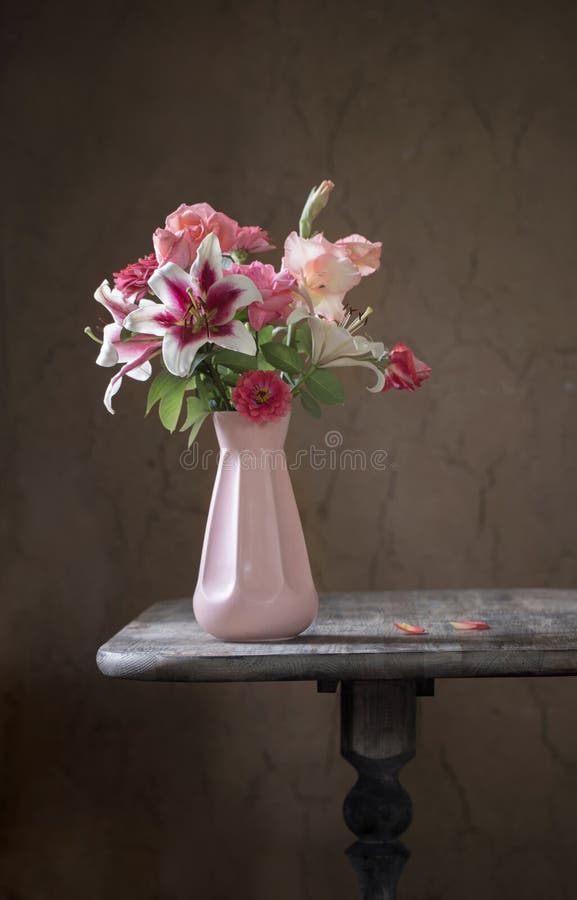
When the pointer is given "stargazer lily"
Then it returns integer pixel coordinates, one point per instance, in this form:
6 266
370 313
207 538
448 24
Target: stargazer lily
196 308
134 353
334 346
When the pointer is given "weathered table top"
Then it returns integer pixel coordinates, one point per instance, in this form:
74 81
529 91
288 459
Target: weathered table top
532 632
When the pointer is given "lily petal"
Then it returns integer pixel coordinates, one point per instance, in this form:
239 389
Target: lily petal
207 267
329 341
141 373
297 314
229 294
352 361
113 300
171 284
114 384
179 348
470 626
409 629
235 337
108 355
150 318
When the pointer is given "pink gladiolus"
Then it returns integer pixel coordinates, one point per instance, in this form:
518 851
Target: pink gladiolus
262 396
404 371
132 281
363 253
323 271
277 290
196 309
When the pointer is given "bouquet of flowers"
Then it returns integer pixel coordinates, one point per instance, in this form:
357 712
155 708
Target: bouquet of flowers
229 332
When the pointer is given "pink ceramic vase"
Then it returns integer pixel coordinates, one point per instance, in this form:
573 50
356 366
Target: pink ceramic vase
255 581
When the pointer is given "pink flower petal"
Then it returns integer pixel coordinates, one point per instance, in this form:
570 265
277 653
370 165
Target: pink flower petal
470 626
409 629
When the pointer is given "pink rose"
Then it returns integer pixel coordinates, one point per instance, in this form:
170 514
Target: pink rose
365 255
185 230
277 289
187 226
262 396
404 371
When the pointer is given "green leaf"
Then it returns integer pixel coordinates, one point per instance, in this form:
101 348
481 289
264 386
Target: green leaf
238 362
284 358
325 387
196 428
310 404
198 359
163 382
171 404
304 338
194 410
230 379
266 334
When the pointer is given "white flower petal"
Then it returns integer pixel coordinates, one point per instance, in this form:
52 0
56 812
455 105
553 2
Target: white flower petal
149 318
347 361
240 339
179 350
108 355
207 267
171 284
141 373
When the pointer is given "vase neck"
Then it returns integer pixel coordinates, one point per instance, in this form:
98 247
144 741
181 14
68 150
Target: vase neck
234 432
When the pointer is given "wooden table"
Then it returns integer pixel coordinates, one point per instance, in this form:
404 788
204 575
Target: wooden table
382 671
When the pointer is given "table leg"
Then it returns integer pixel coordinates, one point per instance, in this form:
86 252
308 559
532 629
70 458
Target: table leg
378 738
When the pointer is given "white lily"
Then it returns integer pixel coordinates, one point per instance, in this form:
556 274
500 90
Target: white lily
333 346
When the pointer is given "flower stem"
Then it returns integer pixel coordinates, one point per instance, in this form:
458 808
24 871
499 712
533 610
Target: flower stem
298 384
219 385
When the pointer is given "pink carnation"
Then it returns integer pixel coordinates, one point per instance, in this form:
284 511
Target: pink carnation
252 239
262 396
132 281
277 289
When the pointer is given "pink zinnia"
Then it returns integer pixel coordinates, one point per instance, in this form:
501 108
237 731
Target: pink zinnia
262 396
132 281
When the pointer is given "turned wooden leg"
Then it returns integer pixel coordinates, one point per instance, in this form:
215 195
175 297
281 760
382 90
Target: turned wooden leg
377 738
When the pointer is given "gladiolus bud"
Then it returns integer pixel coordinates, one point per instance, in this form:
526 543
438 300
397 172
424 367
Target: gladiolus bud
316 202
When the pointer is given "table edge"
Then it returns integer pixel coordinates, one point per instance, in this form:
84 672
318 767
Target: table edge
479 663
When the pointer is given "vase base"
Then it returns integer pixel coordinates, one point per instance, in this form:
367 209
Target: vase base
279 640
248 622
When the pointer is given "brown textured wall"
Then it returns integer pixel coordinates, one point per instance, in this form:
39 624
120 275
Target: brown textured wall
450 130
